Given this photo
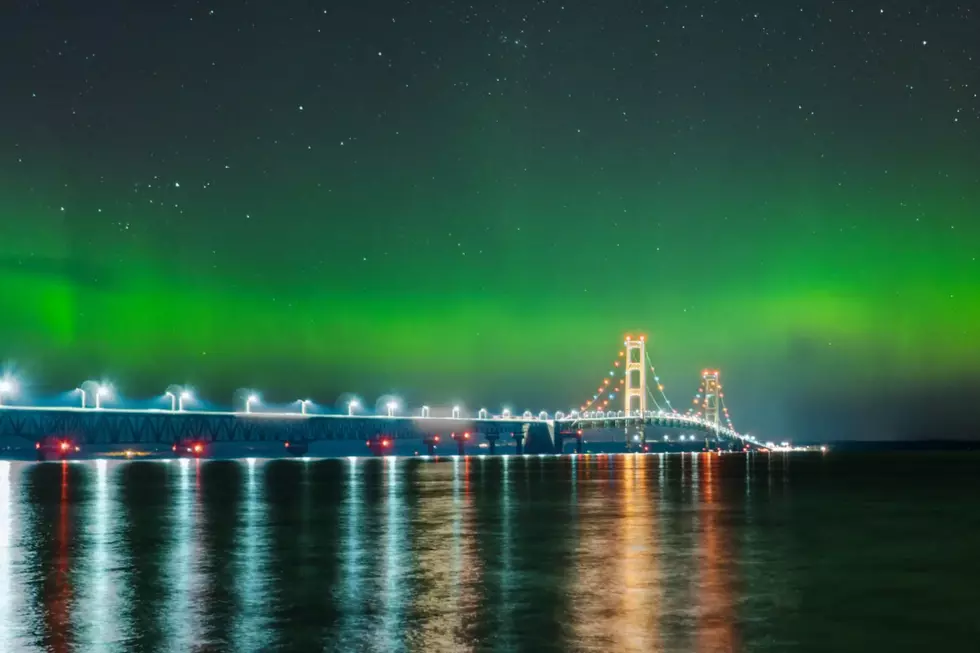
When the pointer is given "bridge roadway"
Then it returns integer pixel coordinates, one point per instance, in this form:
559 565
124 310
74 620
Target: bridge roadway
108 426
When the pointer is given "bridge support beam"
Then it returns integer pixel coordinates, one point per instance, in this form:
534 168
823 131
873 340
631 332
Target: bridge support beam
519 442
492 441
381 445
430 442
461 439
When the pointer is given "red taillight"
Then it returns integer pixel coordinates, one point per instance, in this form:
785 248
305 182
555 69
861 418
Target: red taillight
173 448
385 443
64 446
466 436
37 445
198 448
287 445
436 438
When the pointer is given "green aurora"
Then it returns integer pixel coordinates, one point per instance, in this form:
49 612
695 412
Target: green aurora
489 244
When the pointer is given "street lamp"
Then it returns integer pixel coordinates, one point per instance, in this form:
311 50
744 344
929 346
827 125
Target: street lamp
82 393
392 405
425 412
185 395
101 391
251 399
7 387
173 400
455 412
303 403
351 405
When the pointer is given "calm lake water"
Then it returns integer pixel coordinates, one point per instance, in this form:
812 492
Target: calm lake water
801 552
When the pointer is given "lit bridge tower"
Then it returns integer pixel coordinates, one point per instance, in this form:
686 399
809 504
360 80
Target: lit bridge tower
711 406
635 376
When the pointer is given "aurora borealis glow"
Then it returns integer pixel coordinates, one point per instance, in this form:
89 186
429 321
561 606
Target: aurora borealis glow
474 204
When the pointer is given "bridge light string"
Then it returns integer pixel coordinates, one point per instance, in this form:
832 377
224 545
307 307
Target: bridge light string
660 386
724 408
604 393
653 398
700 401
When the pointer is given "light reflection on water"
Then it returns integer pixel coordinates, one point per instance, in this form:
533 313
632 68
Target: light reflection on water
699 553
9 601
251 625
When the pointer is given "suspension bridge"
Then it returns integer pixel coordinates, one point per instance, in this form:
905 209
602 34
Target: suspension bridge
644 417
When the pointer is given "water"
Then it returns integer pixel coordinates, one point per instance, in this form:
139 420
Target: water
610 553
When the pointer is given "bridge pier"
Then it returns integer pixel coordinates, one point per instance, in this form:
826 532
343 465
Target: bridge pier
519 442
430 442
380 445
560 437
461 439
492 440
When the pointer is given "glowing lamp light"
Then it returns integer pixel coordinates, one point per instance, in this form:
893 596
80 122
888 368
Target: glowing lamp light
7 387
102 391
392 405
198 448
351 406
251 399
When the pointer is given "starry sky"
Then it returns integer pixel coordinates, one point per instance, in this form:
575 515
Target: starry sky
474 202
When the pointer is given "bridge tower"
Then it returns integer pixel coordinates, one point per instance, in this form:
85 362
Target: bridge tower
635 385
711 406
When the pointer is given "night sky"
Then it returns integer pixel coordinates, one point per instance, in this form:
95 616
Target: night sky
474 202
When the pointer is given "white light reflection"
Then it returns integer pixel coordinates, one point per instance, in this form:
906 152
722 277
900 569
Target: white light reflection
250 631
505 627
351 632
395 567
182 576
8 599
101 581
456 569
467 570
748 478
